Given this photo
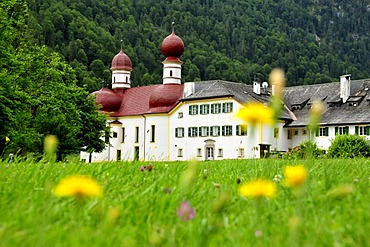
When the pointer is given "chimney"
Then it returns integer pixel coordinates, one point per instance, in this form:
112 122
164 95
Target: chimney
189 89
256 88
345 87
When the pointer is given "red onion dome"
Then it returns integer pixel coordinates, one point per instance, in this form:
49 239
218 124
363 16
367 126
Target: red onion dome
164 96
109 101
121 61
172 46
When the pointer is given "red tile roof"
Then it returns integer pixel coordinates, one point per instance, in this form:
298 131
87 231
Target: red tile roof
159 98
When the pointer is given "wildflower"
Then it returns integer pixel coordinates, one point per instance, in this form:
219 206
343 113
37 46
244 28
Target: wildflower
217 185
356 180
142 168
258 233
256 113
7 139
150 167
185 211
295 176
316 111
277 178
277 80
80 186
341 191
258 188
113 214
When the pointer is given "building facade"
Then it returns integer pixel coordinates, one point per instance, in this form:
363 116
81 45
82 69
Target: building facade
175 121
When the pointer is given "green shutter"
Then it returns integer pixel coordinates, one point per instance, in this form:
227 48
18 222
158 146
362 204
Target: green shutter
317 132
346 130
326 131
190 109
189 131
223 107
336 130
196 109
211 131
367 130
212 108
356 130
223 130
231 107
238 130
207 131
176 132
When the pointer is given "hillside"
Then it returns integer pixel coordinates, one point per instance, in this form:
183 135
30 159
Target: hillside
314 41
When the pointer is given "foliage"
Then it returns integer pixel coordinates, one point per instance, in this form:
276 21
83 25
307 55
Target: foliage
306 149
349 146
39 95
141 208
230 40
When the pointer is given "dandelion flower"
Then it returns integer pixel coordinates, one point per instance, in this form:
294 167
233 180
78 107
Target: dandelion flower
185 211
258 188
80 186
295 176
255 113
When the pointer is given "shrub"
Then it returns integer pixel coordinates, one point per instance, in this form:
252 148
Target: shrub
349 146
306 149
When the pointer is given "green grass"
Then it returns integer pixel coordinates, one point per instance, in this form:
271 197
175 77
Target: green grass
30 215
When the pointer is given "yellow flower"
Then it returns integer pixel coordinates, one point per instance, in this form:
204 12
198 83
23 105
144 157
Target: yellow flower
80 186
7 139
258 188
295 176
255 112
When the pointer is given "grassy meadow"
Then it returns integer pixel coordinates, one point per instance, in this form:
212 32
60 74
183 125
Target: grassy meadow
141 208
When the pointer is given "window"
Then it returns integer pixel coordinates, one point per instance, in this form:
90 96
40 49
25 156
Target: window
276 133
123 134
115 134
193 109
362 130
216 108
152 133
180 115
179 152
203 131
227 107
289 134
241 153
179 132
204 109
241 130
341 130
136 134
193 132
220 152
118 158
214 131
304 132
106 137
323 131
227 130
171 73
199 152
295 132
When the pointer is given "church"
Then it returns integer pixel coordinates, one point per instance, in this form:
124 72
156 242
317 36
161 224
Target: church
196 120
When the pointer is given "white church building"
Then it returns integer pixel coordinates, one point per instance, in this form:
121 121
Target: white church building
176 121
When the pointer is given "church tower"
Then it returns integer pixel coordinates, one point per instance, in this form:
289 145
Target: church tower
172 48
121 71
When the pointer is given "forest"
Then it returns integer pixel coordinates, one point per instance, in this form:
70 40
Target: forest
314 41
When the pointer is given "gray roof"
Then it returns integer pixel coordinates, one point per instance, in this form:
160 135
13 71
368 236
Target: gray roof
241 92
356 110
298 100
